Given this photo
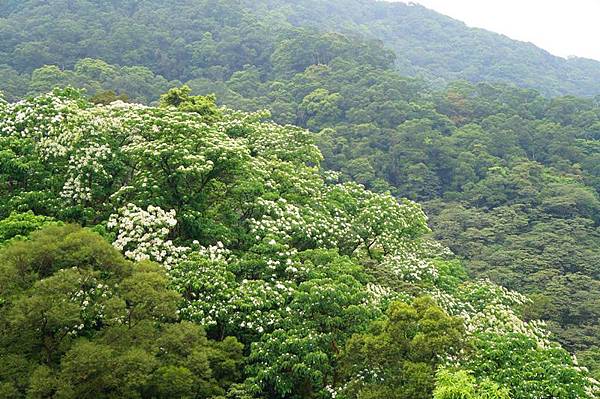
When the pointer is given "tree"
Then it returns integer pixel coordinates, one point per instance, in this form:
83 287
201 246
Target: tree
181 99
461 385
89 324
399 357
528 369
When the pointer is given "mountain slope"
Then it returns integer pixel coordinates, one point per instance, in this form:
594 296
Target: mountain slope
436 46
170 39
509 177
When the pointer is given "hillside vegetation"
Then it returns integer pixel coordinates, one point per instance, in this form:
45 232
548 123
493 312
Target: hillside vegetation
182 39
274 279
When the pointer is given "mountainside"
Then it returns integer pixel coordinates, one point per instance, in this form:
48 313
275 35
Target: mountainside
435 46
170 39
477 153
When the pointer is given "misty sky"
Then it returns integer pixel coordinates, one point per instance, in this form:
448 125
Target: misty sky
562 27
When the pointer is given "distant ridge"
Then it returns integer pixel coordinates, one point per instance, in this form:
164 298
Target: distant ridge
427 44
436 46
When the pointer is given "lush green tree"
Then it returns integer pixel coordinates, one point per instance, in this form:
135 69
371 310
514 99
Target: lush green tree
399 357
20 225
523 361
80 321
461 385
181 99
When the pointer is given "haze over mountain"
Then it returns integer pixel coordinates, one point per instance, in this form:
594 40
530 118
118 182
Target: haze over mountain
567 29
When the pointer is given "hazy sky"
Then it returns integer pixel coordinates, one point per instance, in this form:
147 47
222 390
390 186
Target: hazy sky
562 27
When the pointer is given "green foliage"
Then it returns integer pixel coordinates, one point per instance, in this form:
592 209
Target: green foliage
20 225
302 353
96 76
398 358
591 359
180 98
252 239
461 385
523 361
79 321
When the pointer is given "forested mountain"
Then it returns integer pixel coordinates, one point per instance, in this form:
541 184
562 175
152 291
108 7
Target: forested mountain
177 38
439 48
508 176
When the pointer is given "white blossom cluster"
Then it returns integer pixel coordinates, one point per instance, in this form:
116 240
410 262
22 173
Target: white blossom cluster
269 140
376 221
259 305
279 219
380 296
45 120
214 296
486 307
214 253
141 234
361 378
279 263
286 143
86 166
501 319
289 223
410 267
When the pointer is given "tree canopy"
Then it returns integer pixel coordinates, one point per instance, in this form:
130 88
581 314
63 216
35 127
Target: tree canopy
238 267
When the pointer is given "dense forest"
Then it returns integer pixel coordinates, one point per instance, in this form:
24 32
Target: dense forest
187 39
278 280
295 263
